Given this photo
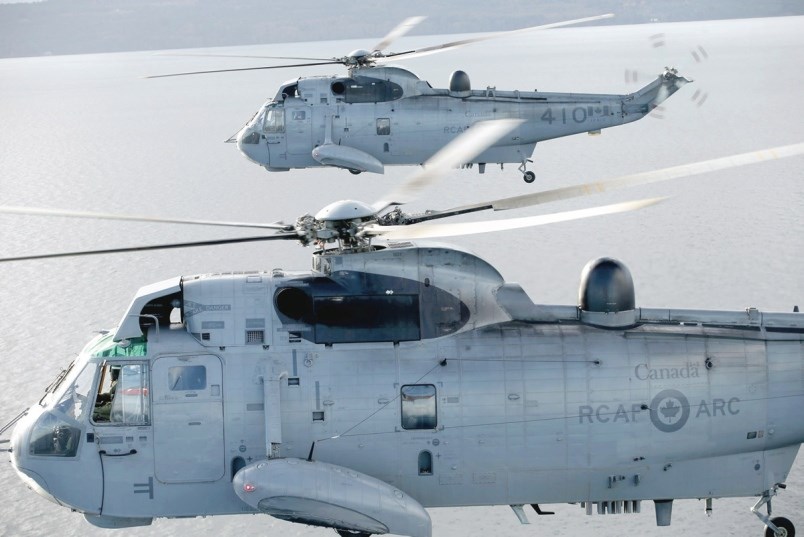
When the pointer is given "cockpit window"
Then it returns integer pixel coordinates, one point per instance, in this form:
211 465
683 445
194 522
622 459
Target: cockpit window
122 396
251 138
274 121
73 402
54 436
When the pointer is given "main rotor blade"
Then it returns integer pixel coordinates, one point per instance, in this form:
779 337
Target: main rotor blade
461 150
401 29
426 231
329 62
625 181
288 236
107 216
454 44
252 56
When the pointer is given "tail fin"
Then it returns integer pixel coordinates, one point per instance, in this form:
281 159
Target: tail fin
652 95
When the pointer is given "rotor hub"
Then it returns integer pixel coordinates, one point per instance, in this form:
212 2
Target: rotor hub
360 56
340 221
346 210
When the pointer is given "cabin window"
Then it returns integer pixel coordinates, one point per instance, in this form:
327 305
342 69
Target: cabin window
299 115
383 126
122 395
418 406
187 378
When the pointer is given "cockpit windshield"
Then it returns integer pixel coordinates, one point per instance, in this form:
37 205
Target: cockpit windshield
51 388
70 400
73 402
101 346
57 432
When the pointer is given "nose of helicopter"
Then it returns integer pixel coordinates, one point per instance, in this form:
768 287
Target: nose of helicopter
19 459
253 146
16 446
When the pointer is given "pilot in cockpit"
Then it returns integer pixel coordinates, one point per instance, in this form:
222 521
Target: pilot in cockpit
103 403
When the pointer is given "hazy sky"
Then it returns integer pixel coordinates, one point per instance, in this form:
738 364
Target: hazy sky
58 27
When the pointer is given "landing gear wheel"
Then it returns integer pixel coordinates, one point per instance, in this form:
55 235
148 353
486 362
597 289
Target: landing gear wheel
529 176
355 172
347 533
786 528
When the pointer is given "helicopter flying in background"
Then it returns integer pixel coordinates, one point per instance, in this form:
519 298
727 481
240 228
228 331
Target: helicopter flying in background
380 115
400 374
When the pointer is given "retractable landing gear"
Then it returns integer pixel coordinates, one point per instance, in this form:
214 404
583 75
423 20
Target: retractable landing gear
777 526
527 175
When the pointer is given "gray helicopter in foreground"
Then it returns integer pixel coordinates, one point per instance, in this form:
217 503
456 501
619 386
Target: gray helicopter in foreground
400 374
379 115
